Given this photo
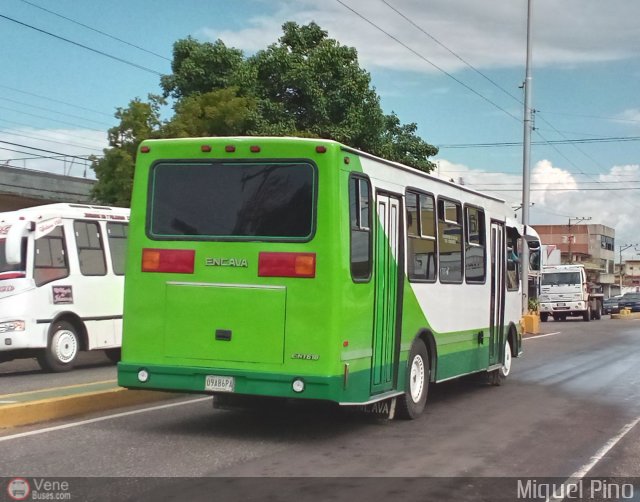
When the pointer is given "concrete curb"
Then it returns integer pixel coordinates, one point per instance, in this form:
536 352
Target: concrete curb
32 412
632 315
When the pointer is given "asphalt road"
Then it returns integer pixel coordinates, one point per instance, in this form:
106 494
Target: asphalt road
23 375
568 401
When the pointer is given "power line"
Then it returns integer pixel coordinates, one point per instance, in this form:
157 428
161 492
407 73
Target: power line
97 31
610 139
65 143
41 150
453 53
75 136
54 111
48 118
617 119
47 98
469 88
110 56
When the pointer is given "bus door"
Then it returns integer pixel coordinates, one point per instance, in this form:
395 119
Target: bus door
386 266
498 287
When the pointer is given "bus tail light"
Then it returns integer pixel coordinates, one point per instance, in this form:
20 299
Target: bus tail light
287 265
178 261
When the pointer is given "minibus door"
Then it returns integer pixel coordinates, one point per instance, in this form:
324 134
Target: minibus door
386 274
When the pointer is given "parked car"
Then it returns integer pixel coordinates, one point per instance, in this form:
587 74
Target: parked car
611 305
630 301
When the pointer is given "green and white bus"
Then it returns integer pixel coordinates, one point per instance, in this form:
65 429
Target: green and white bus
303 268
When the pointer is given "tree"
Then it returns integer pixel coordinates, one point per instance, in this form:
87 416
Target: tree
217 113
114 170
305 84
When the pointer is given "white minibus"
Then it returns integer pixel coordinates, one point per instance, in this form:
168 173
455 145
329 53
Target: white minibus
61 282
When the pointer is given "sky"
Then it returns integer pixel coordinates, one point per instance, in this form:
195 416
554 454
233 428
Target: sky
454 67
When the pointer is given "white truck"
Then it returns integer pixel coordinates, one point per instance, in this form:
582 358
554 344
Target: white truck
564 291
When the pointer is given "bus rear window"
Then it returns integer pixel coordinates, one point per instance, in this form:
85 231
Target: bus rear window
244 201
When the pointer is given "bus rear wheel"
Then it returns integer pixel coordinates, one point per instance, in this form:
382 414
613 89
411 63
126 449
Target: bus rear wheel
62 348
412 403
496 377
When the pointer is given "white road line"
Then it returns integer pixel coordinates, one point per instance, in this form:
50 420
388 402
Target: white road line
101 419
541 336
7 402
599 455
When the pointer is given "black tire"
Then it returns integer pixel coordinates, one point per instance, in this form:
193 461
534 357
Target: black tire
114 355
597 315
62 349
544 316
586 316
412 403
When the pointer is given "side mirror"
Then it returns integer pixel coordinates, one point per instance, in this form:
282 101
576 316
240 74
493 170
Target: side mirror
13 245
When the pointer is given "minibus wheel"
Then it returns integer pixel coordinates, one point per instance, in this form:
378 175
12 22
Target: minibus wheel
412 403
62 348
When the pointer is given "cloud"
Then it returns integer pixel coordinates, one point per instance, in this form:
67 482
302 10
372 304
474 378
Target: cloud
58 149
557 194
566 33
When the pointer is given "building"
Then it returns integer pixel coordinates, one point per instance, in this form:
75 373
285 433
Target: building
590 245
630 274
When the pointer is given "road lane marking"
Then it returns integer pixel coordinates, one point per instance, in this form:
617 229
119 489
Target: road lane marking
100 419
542 336
47 389
8 402
593 461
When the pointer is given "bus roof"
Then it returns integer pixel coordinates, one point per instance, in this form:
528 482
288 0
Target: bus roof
286 139
64 210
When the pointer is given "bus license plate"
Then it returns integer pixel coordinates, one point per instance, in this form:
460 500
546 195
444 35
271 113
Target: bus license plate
219 383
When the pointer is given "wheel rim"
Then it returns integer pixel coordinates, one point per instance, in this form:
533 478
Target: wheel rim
417 378
506 367
65 346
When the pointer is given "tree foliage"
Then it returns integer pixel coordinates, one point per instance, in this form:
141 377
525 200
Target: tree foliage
305 84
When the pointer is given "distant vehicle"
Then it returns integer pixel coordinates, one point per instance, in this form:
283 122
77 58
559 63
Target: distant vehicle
564 291
611 305
630 301
61 282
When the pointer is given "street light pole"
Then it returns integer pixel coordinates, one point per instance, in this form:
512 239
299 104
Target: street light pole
577 219
623 247
526 161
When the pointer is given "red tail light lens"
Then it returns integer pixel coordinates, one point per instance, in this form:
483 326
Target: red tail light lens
287 265
178 261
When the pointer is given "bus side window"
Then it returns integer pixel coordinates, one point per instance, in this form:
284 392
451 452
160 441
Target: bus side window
359 222
117 233
421 237
50 258
450 241
475 250
90 248
513 267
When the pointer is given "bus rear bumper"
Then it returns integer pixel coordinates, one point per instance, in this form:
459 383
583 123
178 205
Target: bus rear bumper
194 380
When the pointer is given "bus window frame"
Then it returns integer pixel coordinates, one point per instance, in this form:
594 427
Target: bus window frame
81 248
461 224
360 177
468 242
65 249
418 192
249 238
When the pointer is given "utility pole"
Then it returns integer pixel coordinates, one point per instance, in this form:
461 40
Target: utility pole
623 247
577 219
526 160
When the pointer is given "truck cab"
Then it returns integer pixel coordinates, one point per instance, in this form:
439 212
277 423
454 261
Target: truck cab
565 291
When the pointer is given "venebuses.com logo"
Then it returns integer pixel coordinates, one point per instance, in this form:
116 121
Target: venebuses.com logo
38 489
18 489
